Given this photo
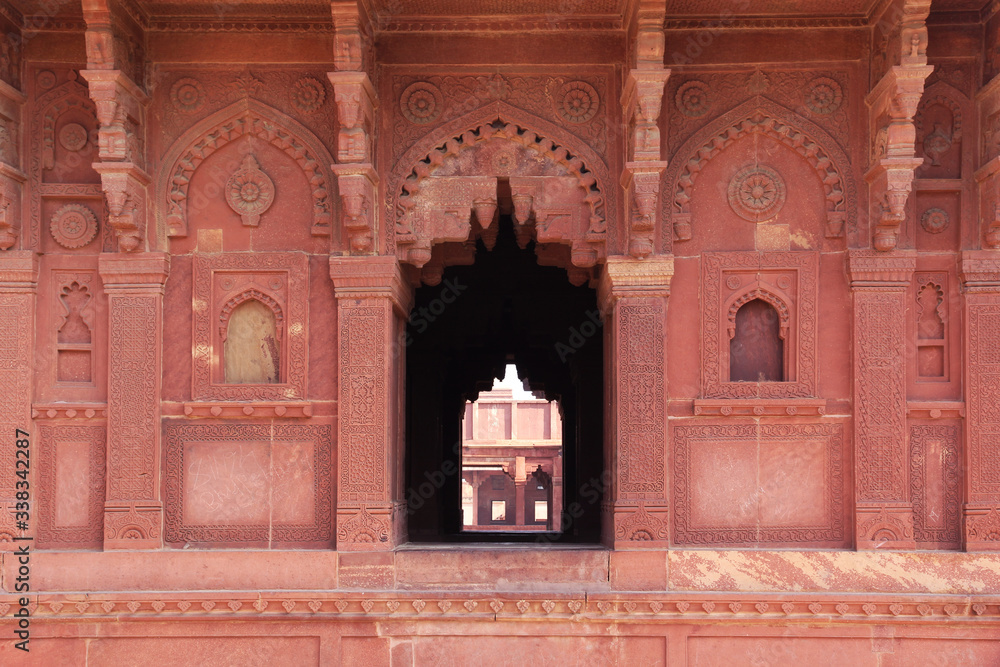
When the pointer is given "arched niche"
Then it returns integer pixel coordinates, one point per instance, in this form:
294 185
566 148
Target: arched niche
764 117
939 128
248 119
757 343
251 336
556 188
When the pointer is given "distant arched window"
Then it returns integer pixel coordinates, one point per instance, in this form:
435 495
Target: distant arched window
757 351
251 345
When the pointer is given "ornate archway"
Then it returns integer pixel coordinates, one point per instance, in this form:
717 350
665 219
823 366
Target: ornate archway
558 187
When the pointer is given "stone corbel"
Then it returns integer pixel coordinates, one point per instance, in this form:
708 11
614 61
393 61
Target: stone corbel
356 104
358 186
119 105
124 186
642 181
642 101
347 41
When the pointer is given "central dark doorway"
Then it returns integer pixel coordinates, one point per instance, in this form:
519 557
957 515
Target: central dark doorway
504 309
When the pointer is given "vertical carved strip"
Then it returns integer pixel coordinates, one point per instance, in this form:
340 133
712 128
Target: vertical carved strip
18 283
371 301
982 514
883 512
133 510
634 294
935 453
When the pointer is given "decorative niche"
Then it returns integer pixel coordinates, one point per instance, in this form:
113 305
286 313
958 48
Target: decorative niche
759 333
250 314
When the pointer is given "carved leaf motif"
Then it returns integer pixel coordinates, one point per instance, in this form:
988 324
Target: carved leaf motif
444 605
522 606
235 605
656 607
208 605
367 605
133 606
735 607
55 607
761 607
896 609
787 607
604 606
709 607
315 605
683 606
419 605
816 607
393 605
979 608
260 605
496 606
575 606
548 606
842 608
82 607
289 605
470 605
868 608
158 606
629 606
341 605
922 609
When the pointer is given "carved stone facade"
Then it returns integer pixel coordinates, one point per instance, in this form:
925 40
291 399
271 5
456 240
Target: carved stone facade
257 258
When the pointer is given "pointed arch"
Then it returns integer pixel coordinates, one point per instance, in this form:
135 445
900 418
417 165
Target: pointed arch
557 145
243 118
760 115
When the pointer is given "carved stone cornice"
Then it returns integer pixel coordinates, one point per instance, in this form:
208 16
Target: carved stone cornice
628 277
872 269
367 277
18 270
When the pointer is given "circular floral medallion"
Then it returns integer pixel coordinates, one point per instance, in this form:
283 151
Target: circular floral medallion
824 96
733 282
187 95
73 137
250 191
693 99
308 95
577 102
46 79
421 103
757 193
73 226
935 220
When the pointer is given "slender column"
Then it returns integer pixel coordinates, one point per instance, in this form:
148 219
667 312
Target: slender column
981 278
475 498
555 506
520 482
883 512
633 297
18 293
372 305
133 508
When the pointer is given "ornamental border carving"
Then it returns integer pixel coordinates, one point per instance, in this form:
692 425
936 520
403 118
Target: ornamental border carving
687 436
419 161
798 320
951 479
247 117
760 115
210 308
90 536
177 434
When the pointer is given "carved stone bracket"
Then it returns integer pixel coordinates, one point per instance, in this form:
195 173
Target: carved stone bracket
356 104
893 104
358 186
642 181
124 185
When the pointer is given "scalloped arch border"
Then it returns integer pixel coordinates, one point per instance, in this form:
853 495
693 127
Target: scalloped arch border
941 92
411 159
279 130
809 140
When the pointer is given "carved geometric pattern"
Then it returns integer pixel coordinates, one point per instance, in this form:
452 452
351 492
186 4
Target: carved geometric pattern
133 388
787 280
249 191
363 391
363 528
73 137
187 95
89 535
693 98
421 103
757 193
824 96
935 220
879 353
308 95
131 526
984 407
222 282
936 447
641 525
16 314
577 102
180 435
641 409
685 486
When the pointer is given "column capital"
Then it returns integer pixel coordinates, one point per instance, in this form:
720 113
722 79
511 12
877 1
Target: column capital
870 268
371 276
18 270
980 271
136 270
625 276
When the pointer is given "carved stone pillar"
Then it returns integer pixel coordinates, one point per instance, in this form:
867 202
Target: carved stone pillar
133 508
981 279
18 285
883 512
11 177
633 297
988 174
373 301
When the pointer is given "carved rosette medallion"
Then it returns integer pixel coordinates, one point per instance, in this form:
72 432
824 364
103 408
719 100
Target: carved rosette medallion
308 95
187 95
577 102
824 96
693 99
757 193
46 79
73 137
250 192
421 103
73 226
935 220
